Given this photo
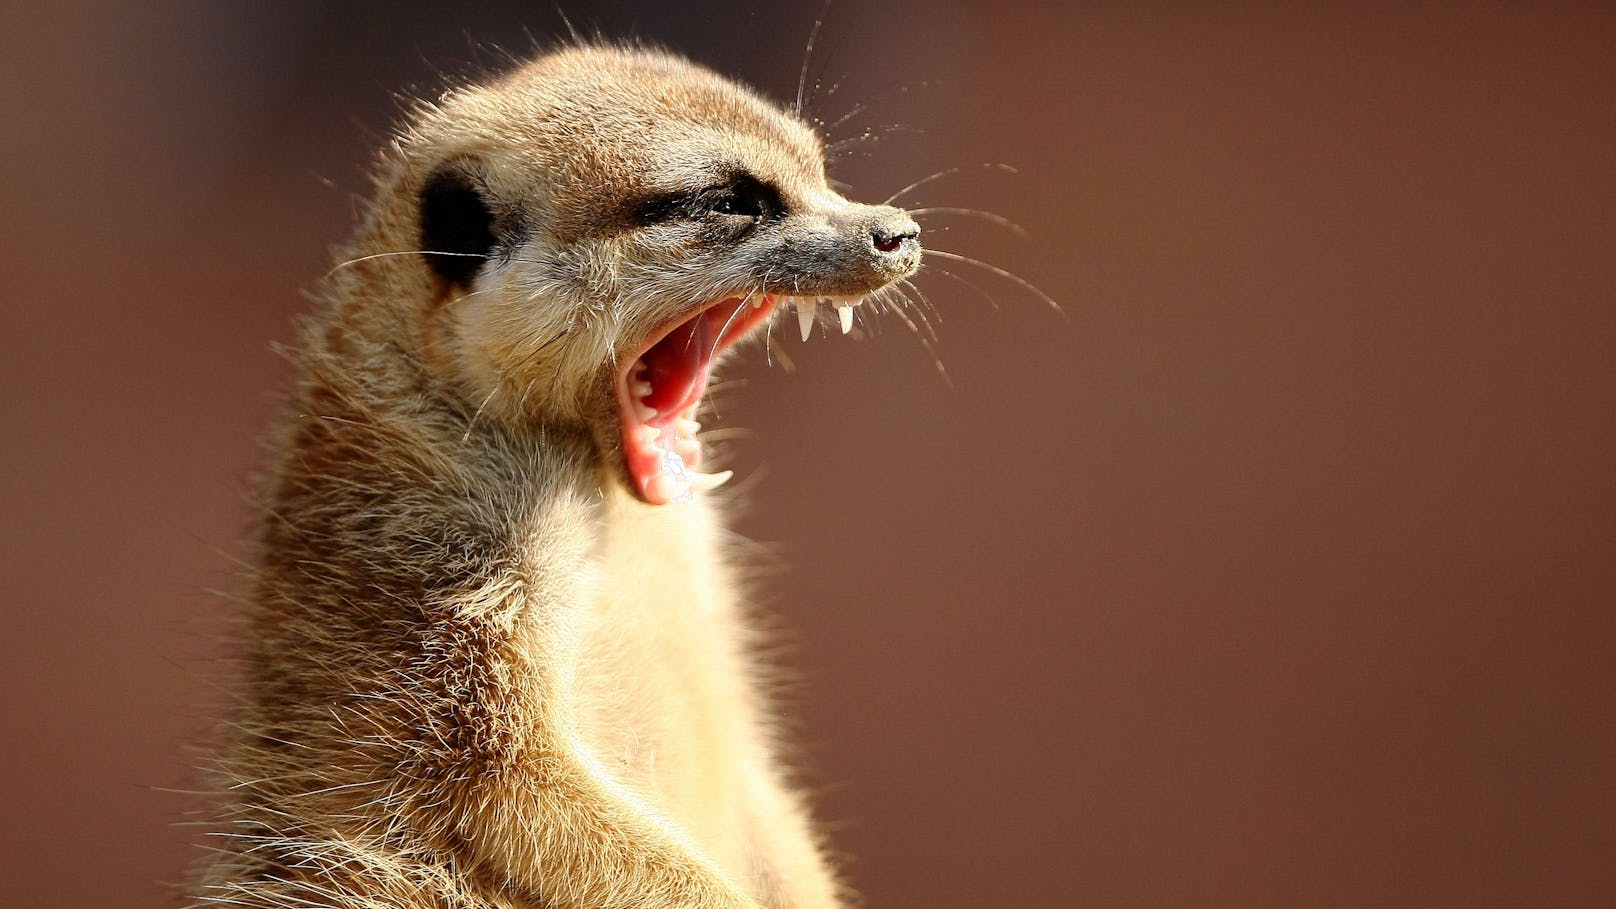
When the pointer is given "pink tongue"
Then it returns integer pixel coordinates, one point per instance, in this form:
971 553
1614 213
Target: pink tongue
676 367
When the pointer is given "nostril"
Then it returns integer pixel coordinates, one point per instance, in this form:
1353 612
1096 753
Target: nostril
889 238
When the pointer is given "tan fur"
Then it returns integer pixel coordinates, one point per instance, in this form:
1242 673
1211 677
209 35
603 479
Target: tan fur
478 671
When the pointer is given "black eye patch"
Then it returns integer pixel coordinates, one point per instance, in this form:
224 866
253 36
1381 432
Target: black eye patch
748 196
742 195
457 226
664 207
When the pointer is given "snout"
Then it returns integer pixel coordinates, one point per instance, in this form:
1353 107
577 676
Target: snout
851 250
889 236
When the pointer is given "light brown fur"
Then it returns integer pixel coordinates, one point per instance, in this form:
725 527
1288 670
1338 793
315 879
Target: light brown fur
478 671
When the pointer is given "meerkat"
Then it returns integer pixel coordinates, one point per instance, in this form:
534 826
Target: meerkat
493 654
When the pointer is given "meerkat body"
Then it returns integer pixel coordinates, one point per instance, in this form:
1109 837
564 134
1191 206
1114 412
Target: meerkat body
494 653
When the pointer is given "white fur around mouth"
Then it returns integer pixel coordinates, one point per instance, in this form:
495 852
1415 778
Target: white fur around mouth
660 389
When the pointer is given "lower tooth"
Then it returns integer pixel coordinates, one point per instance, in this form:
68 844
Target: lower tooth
709 481
672 481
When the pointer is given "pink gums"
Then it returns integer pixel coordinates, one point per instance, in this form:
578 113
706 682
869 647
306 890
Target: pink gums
676 363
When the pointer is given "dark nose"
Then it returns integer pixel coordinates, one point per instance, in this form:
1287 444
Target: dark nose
894 234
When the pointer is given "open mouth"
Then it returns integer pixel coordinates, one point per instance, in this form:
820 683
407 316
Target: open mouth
659 389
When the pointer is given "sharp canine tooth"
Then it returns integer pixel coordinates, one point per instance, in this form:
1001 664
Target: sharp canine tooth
845 313
805 315
708 481
688 427
641 388
644 413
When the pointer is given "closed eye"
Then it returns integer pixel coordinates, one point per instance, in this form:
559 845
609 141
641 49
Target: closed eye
747 197
743 196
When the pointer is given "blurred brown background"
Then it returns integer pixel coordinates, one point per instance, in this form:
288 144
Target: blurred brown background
1279 574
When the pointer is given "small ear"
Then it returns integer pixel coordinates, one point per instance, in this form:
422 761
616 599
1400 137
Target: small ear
457 226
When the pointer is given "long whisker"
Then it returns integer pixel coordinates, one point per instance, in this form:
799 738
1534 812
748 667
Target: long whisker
768 338
814 93
719 338
948 274
724 435
402 252
881 297
940 175
866 105
988 216
926 304
874 134
920 313
808 56
945 172
1025 284
475 293
925 343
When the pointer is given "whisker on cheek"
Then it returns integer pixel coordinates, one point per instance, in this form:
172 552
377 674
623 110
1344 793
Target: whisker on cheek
400 252
988 216
1008 276
925 343
934 267
926 304
946 172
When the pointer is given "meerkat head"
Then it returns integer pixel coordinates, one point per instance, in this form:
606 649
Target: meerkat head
603 224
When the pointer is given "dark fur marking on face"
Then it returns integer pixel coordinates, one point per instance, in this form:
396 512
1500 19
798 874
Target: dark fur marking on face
740 195
457 226
748 197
